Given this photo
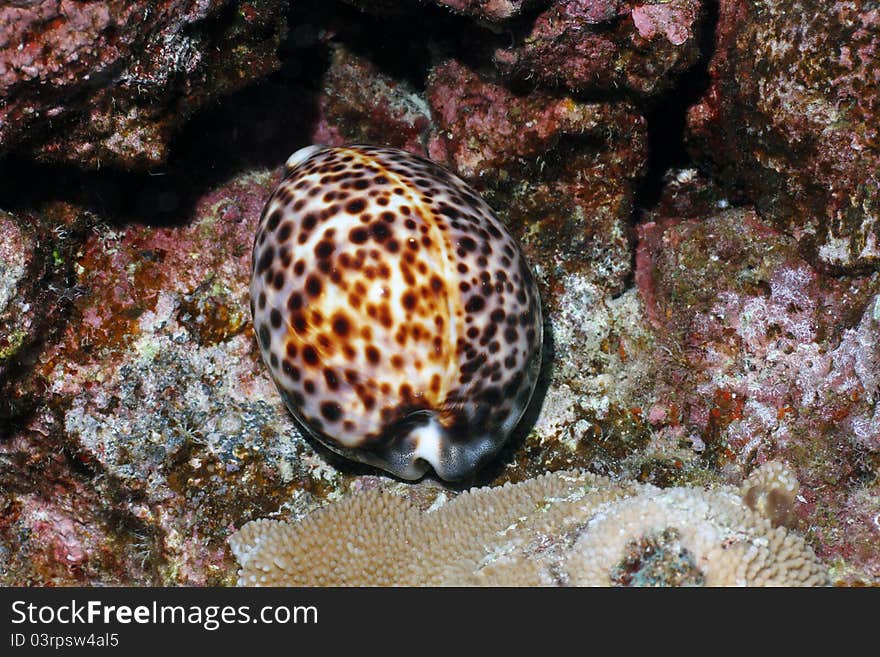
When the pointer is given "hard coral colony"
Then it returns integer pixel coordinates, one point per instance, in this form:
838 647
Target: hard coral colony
396 314
563 528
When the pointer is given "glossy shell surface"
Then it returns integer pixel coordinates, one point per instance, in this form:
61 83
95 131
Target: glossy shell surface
395 312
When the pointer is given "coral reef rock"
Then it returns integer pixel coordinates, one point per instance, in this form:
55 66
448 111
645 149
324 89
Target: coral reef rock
560 171
359 104
587 45
483 11
774 360
693 183
485 130
35 266
107 82
789 120
154 388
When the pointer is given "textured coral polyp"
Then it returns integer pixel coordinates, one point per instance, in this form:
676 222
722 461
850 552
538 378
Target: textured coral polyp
563 528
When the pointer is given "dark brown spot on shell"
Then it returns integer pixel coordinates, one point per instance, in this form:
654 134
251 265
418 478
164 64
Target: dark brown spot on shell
265 259
290 369
380 231
355 206
274 218
331 379
310 355
263 332
475 304
341 325
358 235
313 286
324 249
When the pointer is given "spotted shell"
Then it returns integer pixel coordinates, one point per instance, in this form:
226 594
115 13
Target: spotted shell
396 314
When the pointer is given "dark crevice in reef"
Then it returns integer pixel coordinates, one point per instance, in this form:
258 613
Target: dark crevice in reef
262 124
667 114
406 44
257 126
241 131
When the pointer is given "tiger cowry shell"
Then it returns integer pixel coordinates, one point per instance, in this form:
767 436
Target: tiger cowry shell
396 314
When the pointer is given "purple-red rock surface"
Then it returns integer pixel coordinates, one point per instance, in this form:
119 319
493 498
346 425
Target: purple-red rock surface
773 360
789 120
105 82
591 45
560 171
359 104
489 11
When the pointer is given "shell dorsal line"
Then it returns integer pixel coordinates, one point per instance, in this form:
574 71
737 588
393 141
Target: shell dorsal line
453 302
